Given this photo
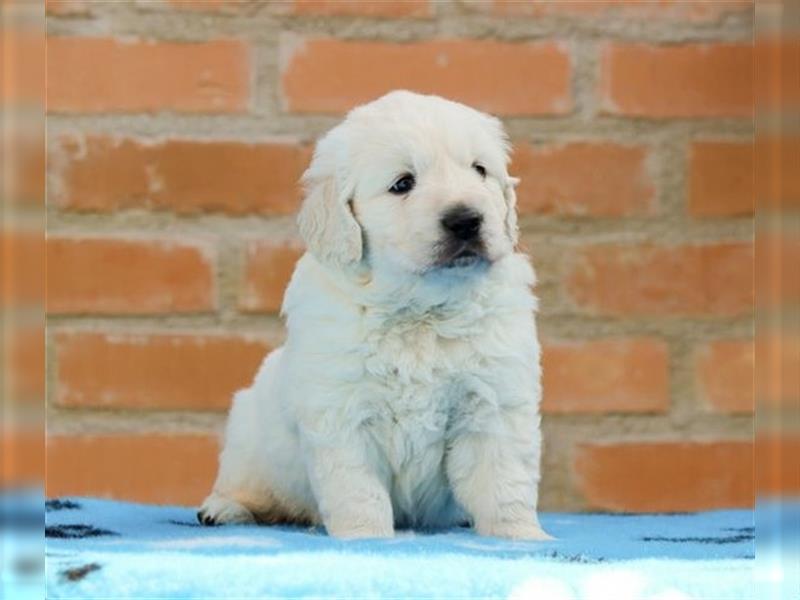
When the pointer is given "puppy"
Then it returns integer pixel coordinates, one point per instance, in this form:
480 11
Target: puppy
407 393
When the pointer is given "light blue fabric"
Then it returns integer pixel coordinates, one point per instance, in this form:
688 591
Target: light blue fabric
141 551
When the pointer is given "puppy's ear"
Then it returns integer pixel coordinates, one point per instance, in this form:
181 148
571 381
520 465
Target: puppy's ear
327 224
512 230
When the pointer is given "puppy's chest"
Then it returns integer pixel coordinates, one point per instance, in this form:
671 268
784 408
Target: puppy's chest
422 379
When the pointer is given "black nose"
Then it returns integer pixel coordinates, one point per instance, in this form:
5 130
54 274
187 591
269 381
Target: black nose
463 222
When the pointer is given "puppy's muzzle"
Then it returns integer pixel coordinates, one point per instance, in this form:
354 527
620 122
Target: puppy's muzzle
462 245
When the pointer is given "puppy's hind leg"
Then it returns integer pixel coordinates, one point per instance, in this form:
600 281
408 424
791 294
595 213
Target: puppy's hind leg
224 504
259 468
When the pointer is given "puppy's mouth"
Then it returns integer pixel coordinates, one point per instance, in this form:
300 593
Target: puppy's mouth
463 256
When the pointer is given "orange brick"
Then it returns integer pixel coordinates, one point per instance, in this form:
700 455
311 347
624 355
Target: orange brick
777 374
583 179
724 374
125 276
778 255
108 75
721 179
185 176
154 371
668 10
362 8
154 468
23 268
698 80
666 476
644 279
777 453
601 376
23 55
22 457
328 76
267 270
27 165
777 178
25 356
777 58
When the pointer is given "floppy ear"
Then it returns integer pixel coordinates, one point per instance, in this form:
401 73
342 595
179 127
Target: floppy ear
327 224
511 209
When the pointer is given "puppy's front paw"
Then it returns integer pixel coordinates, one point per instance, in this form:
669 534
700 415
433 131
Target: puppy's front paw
221 510
515 531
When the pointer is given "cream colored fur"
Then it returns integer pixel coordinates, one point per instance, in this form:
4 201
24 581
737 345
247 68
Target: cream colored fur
406 394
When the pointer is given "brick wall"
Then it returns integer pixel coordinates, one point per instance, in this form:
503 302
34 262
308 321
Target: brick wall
177 131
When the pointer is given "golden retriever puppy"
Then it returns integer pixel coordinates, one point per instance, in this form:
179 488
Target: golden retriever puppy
407 393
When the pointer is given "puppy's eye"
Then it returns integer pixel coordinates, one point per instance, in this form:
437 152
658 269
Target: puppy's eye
403 185
480 169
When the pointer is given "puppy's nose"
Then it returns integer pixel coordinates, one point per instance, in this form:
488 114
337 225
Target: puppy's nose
463 222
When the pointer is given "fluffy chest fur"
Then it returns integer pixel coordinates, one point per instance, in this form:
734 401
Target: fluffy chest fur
418 380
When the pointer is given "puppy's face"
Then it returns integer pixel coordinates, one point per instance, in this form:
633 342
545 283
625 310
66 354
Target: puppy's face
410 182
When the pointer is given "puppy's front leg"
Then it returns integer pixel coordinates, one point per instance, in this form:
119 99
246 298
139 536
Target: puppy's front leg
495 478
352 500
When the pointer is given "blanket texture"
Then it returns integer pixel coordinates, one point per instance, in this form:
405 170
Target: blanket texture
106 549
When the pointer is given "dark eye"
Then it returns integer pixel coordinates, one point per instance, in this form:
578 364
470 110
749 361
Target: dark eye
480 169
403 185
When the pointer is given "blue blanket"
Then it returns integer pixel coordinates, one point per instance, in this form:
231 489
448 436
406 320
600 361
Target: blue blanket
106 549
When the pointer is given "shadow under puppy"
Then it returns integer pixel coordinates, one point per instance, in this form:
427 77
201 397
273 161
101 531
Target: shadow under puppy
407 393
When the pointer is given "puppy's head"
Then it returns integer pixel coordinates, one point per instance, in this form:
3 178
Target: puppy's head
411 182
